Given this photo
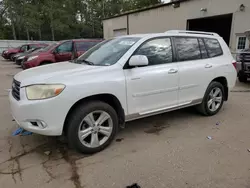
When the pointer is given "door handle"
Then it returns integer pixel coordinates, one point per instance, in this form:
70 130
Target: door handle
208 66
172 71
136 78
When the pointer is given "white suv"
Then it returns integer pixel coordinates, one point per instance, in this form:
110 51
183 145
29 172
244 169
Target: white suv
123 79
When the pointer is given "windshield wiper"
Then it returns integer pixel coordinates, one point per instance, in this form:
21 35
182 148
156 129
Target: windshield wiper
85 61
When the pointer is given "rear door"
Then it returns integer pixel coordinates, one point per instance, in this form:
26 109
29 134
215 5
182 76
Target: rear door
196 69
63 52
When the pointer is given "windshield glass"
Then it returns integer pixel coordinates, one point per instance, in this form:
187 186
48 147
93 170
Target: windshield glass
48 47
108 52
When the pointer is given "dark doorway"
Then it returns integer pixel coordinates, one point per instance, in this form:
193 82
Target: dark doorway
218 24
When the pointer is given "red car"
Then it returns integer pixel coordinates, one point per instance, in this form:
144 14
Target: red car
58 52
8 54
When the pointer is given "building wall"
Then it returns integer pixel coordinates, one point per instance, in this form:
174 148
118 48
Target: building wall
109 26
167 18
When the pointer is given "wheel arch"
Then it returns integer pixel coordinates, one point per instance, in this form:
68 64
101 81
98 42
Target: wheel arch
105 97
224 82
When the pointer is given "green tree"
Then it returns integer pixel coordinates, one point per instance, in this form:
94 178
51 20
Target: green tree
60 19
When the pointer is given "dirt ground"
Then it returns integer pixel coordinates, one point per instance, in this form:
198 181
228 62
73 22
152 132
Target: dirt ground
164 151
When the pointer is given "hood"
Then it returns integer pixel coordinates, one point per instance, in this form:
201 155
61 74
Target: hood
20 54
36 53
13 50
44 74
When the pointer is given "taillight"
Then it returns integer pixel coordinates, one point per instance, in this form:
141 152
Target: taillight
235 64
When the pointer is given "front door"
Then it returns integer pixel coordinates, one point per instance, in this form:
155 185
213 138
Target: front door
154 87
63 52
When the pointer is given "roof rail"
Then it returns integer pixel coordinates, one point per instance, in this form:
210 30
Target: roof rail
192 32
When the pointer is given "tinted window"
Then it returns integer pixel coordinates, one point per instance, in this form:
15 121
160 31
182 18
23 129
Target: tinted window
65 47
213 47
84 46
203 49
158 51
187 48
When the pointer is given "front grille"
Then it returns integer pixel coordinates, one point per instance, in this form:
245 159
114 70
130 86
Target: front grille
16 89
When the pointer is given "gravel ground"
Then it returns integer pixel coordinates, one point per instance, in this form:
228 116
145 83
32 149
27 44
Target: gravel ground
168 150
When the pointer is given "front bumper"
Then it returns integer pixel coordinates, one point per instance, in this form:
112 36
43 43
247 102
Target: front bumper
30 64
18 61
49 111
5 55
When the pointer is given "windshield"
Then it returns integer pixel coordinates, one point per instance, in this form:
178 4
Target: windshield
49 47
108 52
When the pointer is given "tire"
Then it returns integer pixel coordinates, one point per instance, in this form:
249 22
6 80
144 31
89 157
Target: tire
204 108
76 123
11 56
242 77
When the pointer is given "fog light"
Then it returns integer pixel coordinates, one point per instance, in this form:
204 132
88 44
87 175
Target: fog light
38 123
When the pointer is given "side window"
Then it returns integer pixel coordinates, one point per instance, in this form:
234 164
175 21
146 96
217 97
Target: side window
158 51
24 48
85 45
187 48
213 47
203 49
65 47
32 46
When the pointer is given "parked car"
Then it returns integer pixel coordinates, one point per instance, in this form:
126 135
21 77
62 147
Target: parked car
244 58
20 56
61 51
9 54
123 79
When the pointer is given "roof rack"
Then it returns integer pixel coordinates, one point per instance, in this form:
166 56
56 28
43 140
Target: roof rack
192 32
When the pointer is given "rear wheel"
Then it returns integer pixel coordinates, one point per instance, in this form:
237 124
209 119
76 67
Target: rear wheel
242 76
92 126
213 99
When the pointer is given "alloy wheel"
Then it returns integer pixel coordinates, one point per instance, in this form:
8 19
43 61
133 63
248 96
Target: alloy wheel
95 129
215 99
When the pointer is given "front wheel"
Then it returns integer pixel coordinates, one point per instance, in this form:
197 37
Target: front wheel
213 99
92 126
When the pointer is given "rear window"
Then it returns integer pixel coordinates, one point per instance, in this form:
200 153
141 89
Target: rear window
85 45
187 48
213 47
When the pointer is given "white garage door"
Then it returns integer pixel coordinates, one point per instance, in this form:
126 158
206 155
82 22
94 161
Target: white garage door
120 32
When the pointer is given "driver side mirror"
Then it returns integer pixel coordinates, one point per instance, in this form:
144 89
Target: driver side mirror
138 60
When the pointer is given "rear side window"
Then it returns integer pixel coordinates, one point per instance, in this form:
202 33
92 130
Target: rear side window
213 47
187 48
85 45
203 49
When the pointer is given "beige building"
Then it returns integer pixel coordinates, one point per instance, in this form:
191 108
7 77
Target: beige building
229 18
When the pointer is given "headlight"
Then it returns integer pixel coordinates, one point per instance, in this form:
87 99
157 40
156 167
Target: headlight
5 52
21 57
32 57
35 92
